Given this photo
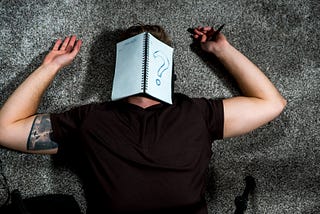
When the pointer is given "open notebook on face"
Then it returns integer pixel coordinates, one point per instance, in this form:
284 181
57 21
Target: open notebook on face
143 65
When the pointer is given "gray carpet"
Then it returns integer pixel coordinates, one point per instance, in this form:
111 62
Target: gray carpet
281 37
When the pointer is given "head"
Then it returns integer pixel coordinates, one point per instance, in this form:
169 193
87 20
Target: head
156 30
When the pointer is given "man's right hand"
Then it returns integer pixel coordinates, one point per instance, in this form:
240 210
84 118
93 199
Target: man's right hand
20 126
63 53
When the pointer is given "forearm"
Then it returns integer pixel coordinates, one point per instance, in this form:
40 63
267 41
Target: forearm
20 127
25 100
261 102
251 80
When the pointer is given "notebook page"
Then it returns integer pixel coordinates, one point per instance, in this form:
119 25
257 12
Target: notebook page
159 83
128 70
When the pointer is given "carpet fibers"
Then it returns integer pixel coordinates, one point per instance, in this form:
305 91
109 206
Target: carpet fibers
281 37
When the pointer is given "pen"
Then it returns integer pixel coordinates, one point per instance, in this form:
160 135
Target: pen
215 34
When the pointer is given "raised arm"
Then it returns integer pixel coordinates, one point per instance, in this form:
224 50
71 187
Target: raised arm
20 127
261 102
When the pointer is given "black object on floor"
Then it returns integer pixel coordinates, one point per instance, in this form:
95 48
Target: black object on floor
241 201
48 204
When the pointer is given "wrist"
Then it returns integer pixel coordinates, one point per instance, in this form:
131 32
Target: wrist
220 50
50 67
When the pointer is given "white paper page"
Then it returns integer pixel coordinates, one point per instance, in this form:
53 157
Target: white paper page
128 70
160 70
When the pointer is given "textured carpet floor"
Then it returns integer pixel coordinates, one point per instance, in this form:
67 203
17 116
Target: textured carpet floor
281 37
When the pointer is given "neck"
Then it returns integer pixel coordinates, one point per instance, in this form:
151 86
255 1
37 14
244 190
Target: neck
142 102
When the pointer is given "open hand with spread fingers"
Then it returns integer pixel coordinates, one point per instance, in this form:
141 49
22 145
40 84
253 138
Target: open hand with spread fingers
63 52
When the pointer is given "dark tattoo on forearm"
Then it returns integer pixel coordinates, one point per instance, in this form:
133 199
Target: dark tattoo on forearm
39 137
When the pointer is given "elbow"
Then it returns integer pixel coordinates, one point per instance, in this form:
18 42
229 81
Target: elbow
283 103
4 130
1 134
280 105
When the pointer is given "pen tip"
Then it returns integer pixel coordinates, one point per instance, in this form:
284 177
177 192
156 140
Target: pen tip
190 30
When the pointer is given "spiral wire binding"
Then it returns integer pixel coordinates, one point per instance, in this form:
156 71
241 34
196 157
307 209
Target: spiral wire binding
145 63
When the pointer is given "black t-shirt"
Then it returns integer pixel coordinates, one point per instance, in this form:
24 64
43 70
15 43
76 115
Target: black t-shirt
136 160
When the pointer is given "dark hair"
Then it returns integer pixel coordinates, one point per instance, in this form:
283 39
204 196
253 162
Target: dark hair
156 30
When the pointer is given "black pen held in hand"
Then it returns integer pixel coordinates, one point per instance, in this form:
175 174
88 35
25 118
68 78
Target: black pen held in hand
215 34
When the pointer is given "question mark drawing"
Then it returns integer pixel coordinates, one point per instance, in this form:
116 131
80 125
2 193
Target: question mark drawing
164 66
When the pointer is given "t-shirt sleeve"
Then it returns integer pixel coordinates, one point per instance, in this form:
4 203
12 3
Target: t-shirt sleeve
65 125
212 111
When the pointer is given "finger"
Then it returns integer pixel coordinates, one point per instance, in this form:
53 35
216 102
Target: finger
72 41
198 32
76 48
204 30
199 29
203 38
207 28
65 43
57 45
71 44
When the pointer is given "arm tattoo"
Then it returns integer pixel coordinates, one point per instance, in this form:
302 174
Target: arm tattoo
39 137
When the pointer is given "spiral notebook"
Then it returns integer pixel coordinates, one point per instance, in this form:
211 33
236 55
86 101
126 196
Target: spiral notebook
143 65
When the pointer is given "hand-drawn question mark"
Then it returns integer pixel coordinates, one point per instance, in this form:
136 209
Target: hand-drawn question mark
164 66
